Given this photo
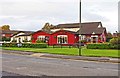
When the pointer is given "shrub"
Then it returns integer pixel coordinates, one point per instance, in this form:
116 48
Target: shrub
30 41
115 46
83 41
14 41
40 41
9 44
27 45
5 39
25 40
108 39
115 42
99 46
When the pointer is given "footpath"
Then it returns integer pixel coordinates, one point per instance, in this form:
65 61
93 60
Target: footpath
99 59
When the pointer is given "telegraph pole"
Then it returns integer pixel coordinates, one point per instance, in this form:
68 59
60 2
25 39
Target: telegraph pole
79 30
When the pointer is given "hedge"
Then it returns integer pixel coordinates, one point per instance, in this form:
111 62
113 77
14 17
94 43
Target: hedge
102 46
25 45
4 39
34 45
98 46
9 44
115 46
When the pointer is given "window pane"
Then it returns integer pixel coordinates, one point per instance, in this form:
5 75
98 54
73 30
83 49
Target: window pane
62 39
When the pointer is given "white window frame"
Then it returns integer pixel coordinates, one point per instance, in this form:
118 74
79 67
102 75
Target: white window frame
62 36
94 36
40 36
82 37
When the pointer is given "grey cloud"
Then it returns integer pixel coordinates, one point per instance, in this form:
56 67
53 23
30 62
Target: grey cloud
37 13
93 17
32 14
37 8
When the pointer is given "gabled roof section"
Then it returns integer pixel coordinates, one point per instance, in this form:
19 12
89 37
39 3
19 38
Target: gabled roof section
71 25
85 28
46 31
97 28
65 31
9 31
77 25
25 33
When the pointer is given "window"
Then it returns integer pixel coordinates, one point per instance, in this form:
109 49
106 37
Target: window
62 39
82 37
41 38
88 39
25 38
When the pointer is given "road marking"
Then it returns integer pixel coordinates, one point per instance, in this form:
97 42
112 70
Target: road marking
18 68
37 54
107 69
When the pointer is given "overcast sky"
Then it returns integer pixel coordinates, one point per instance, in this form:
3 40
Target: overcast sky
31 15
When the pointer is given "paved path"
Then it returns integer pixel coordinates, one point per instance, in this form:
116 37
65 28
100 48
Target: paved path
34 66
99 59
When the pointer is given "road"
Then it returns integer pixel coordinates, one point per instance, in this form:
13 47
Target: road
35 66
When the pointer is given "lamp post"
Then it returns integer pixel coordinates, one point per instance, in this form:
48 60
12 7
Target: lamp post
79 30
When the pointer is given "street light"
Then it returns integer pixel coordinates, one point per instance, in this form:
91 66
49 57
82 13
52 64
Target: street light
79 30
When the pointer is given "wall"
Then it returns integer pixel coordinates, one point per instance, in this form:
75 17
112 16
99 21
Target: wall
53 37
39 33
71 37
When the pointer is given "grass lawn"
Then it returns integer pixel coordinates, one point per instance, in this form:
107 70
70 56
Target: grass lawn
70 51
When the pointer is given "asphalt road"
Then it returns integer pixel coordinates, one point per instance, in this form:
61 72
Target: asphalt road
4 73
34 66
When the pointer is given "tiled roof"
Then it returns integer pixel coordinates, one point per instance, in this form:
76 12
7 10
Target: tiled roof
71 25
85 28
65 31
26 33
8 31
49 32
75 25
91 30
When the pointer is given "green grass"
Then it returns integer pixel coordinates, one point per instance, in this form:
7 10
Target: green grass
70 51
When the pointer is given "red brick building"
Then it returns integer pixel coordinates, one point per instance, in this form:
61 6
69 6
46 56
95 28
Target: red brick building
92 32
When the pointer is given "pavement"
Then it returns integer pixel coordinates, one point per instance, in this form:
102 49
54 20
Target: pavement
99 59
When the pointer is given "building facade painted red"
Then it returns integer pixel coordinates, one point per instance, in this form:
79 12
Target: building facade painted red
66 37
63 37
59 37
40 35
